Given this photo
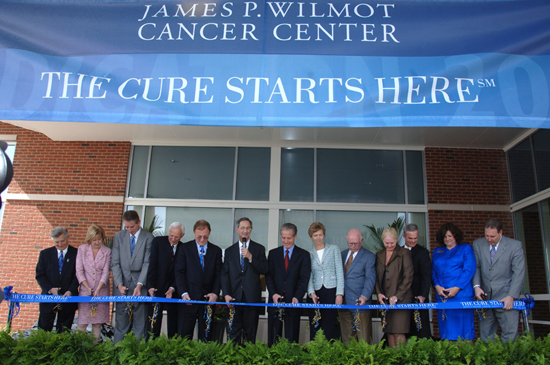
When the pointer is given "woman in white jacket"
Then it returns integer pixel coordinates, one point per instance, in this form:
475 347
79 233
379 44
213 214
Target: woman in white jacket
326 283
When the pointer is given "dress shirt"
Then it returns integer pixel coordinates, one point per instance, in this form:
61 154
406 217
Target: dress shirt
135 235
289 252
64 253
350 253
199 248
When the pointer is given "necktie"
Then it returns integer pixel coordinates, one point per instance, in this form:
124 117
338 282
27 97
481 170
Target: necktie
202 257
132 244
242 257
287 259
493 251
61 262
348 263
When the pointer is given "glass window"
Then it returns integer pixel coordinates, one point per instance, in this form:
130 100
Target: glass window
259 218
220 221
420 220
192 173
138 172
415 177
297 174
360 176
253 167
536 251
155 221
338 224
541 145
522 174
302 219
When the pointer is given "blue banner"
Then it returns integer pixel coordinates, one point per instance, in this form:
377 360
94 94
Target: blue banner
277 63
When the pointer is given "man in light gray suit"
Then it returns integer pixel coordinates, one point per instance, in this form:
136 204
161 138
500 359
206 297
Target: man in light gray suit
500 269
359 279
130 263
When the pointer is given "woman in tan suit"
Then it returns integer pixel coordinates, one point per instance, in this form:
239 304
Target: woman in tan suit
394 275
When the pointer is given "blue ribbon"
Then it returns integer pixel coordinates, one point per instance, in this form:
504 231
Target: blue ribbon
529 303
12 303
522 304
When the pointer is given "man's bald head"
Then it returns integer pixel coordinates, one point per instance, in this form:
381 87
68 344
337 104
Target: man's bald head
354 239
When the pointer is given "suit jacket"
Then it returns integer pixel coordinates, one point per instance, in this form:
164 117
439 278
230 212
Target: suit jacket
94 271
422 266
328 272
161 274
395 278
293 283
505 276
128 269
47 273
360 278
190 277
235 281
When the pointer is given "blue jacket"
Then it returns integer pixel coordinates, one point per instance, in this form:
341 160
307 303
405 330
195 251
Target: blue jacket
361 276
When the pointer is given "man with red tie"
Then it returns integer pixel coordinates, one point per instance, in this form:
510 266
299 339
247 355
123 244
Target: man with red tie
289 271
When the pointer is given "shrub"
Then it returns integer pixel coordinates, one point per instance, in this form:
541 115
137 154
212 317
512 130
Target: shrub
78 348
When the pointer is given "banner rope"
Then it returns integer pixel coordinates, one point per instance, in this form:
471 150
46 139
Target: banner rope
525 304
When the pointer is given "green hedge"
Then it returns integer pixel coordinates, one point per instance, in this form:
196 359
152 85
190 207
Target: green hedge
50 348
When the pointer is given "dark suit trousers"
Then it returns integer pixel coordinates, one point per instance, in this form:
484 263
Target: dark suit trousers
172 321
291 321
188 316
65 318
328 316
425 331
245 324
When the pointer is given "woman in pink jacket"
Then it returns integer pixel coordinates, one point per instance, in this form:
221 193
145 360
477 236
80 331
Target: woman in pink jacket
93 263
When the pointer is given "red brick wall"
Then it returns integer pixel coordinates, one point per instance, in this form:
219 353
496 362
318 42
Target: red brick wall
43 166
471 177
466 176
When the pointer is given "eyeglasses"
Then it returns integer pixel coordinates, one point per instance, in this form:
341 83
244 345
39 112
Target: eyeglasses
245 228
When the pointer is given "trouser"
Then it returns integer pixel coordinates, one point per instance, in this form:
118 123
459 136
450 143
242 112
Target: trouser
328 316
346 326
65 317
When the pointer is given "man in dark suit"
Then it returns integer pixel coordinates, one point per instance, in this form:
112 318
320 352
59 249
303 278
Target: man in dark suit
198 271
56 275
359 280
161 280
500 270
289 271
130 262
243 264
422 279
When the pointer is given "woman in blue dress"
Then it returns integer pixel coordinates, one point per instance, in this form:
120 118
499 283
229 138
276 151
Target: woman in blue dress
453 268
